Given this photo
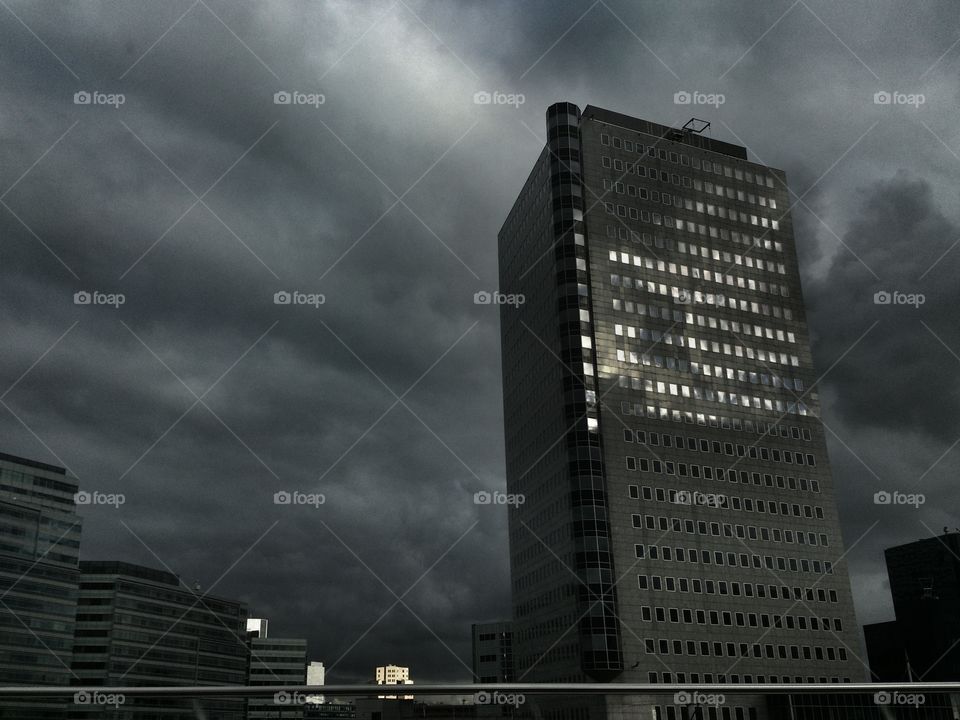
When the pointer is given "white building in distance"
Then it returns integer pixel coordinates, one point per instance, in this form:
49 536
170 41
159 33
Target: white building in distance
315 675
394 675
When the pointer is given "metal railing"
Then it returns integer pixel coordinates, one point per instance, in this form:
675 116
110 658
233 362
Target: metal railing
366 690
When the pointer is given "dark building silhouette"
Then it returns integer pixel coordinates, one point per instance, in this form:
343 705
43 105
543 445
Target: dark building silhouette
865 706
923 643
330 711
39 554
662 422
277 661
138 626
493 652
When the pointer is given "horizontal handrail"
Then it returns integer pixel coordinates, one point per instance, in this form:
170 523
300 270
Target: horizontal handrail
478 688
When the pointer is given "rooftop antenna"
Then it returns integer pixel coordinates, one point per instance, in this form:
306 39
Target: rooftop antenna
695 125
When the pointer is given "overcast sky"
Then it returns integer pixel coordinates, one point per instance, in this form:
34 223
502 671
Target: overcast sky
198 198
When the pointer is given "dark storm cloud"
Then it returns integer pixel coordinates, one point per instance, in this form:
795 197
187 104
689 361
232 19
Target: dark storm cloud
304 401
900 234
890 390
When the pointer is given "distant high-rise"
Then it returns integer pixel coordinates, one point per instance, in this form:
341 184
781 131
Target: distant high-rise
39 554
277 661
662 422
257 627
138 626
315 677
923 643
493 652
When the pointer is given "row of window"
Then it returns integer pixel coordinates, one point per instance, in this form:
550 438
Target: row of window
745 478
733 679
663 312
752 532
719 278
700 369
700 586
758 562
754 452
668 553
731 374
704 344
708 394
730 193
689 226
695 271
755 620
675 292
695 444
727 258
678 201
687 296
733 502
750 241
756 651
691 470
695 162
654 412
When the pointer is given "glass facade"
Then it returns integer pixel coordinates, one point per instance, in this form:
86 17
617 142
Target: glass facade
277 661
138 626
662 419
39 554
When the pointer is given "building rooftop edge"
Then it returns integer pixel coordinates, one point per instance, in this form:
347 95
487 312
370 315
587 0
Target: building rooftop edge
36 464
649 127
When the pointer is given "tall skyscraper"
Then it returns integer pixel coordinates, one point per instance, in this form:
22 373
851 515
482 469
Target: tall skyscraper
138 626
923 643
662 421
492 652
39 554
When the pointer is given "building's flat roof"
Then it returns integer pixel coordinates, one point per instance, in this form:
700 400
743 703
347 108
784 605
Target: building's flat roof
652 128
118 567
36 464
